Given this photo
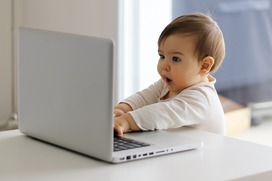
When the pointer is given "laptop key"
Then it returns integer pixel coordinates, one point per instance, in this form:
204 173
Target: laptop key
126 144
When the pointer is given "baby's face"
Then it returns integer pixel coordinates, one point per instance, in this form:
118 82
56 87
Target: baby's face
178 65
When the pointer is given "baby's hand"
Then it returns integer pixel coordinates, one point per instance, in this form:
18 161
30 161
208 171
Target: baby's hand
121 125
121 109
124 123
117 112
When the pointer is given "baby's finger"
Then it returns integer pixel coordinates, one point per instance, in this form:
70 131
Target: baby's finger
119 130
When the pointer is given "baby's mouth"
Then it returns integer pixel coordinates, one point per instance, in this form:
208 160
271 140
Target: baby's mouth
168 80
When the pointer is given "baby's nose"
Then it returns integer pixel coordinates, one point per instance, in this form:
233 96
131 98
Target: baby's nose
166 65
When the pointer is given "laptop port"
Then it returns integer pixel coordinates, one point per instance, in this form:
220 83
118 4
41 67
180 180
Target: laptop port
151 153
128 157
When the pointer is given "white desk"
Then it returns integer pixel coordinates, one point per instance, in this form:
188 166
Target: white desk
221 158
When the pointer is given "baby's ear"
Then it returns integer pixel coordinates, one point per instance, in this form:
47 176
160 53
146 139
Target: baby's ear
206 65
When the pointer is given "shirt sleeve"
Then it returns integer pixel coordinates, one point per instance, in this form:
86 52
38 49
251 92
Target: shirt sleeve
145 97
190 107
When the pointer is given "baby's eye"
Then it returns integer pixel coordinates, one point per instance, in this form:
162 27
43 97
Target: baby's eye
176 59
161 56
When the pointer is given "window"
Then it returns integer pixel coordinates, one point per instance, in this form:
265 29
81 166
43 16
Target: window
140 26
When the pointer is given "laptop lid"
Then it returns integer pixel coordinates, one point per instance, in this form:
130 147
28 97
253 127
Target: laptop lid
65 90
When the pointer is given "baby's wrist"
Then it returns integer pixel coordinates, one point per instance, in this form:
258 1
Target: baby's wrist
133 126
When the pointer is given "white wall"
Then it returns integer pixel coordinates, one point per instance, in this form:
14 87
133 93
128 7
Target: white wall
5 62
74 16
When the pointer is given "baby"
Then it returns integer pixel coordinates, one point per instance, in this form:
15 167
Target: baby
190 48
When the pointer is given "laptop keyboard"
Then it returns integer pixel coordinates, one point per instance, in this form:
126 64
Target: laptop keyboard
126 144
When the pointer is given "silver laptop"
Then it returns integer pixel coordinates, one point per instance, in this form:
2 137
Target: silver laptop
65 98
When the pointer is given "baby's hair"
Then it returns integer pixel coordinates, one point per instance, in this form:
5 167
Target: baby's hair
209 40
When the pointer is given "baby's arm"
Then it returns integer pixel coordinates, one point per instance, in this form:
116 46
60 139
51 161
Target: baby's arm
124 123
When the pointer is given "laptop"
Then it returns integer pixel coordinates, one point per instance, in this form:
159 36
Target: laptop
66 98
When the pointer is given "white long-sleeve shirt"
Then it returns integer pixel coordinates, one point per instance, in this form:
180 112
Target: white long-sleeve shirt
197 106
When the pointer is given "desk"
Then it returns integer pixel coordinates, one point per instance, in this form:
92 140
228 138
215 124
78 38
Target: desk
221 158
